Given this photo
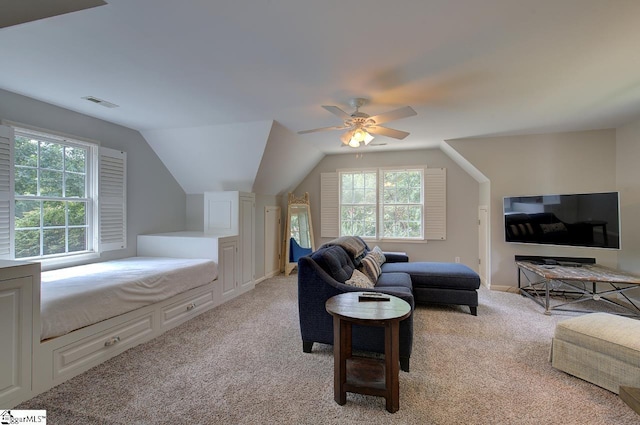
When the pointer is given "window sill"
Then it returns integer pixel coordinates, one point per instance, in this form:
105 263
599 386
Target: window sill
67 261
399 241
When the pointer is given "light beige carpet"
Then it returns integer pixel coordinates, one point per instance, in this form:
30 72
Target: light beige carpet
242 363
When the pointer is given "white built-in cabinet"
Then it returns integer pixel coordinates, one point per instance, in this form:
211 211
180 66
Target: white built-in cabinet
234 213
228 238
228 270
19 292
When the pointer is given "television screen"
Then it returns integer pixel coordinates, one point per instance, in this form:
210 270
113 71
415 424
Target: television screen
585 219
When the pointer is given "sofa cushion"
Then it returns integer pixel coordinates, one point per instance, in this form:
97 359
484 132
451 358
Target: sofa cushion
335 261
437 275
369 266
359 280
398 291
394 280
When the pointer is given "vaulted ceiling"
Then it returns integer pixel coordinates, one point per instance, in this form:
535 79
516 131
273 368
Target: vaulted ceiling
236 80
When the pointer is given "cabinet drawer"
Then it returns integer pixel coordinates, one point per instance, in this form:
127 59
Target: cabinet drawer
97 348
186 309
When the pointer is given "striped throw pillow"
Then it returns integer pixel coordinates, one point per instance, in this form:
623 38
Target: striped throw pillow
369 266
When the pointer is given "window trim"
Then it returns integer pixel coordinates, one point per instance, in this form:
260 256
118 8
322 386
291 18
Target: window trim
380 204
375 205
91 195
422 205
111 200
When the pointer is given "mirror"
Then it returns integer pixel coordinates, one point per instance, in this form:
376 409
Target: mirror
298 237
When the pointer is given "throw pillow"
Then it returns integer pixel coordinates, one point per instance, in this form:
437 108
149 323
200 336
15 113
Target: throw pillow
370 268
378 255
359 279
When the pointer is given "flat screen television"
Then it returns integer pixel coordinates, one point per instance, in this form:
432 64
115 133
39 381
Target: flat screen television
582 219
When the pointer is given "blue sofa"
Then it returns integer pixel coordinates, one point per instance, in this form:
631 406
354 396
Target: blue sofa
323 274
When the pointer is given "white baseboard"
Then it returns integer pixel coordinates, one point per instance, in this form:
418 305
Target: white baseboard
505 288
268 276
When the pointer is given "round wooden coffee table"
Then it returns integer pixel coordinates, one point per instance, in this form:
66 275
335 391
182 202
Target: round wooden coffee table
364 375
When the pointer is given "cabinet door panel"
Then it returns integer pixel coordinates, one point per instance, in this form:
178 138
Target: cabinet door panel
15 337
228 269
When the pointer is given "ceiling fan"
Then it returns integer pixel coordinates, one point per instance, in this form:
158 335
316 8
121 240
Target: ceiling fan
361 126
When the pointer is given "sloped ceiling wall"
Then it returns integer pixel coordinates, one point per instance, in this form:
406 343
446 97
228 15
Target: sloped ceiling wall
212 157
286 162
262 157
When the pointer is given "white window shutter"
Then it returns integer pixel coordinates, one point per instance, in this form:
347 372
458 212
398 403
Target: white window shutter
112 199
6 192
329 206
435 199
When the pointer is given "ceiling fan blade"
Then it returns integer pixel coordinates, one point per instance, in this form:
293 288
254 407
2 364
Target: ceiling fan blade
337 111
396 114
335 127
389 132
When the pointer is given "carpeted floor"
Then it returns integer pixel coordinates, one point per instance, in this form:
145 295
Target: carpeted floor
242 363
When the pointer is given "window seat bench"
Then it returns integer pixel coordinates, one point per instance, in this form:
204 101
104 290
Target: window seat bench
118 304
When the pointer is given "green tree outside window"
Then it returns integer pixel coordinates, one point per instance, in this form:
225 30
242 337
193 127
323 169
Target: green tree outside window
51 203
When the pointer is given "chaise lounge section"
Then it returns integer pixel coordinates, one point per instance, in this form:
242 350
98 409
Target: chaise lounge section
440 283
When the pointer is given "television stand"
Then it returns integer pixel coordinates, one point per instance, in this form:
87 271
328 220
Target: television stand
589 282
556 261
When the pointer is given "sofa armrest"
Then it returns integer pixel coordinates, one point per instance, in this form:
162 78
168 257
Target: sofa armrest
396 257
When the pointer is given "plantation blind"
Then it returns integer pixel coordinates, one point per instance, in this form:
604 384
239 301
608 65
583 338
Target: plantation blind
112 199
435 200
329 206
6 191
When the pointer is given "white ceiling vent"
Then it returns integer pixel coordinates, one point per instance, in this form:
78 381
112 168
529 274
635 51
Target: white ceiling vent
101 102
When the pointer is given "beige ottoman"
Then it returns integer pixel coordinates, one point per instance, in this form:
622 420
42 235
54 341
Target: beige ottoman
600 348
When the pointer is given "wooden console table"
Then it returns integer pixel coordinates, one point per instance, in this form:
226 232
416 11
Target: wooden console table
588 281
364 375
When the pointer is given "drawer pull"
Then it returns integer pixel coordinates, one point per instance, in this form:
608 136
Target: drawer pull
191 306
112 341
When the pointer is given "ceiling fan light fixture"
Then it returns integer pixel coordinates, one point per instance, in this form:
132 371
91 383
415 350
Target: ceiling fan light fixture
358 137
346 137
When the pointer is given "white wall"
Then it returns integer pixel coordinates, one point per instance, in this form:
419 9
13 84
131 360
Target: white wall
628 182
462 202
575 162
155 201
195 222
262 201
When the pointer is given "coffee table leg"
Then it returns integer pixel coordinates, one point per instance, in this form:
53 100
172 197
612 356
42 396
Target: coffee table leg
392 359
341 352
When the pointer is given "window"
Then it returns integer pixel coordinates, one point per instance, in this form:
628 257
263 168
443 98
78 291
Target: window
358 203
382 203
401 204
61 199
53 195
